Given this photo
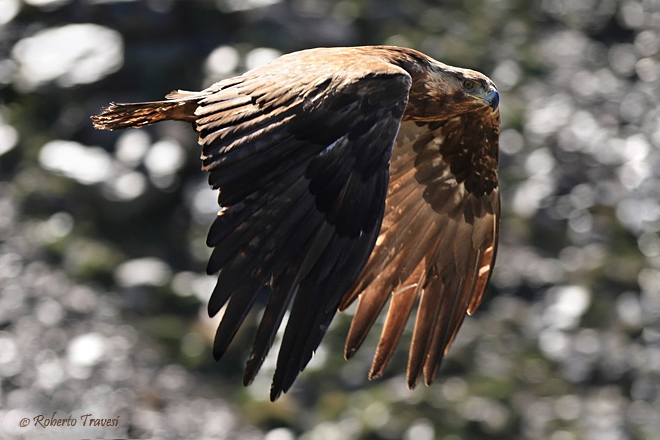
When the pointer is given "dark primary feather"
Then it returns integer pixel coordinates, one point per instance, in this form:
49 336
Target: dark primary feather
326 196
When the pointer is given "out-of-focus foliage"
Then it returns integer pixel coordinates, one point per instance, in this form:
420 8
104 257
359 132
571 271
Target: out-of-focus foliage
102 291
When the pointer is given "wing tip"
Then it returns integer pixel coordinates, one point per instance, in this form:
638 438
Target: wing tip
252 367
429 376
412 380
275 393
282 382
219 348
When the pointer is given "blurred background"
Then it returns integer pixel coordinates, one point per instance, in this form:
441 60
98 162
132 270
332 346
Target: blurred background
102 285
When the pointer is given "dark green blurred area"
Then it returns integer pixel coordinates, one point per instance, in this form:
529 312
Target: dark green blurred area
566 345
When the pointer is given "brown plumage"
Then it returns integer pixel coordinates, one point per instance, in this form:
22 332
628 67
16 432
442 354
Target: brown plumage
344 173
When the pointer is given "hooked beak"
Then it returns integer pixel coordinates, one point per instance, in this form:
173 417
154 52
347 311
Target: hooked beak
493 99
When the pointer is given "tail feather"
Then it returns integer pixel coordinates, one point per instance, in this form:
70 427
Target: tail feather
119 116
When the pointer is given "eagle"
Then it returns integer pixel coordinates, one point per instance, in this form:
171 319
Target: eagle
365 173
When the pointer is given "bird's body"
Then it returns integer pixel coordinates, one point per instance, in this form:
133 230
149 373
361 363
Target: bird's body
345 173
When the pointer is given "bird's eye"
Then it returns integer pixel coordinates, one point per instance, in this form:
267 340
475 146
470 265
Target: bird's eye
468 84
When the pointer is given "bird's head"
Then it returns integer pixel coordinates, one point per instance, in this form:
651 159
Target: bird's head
447 91
476 87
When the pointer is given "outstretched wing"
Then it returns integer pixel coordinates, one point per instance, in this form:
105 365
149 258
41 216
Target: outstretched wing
437 243
301 156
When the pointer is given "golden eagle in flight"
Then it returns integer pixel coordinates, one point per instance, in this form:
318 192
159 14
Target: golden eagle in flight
344 173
